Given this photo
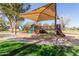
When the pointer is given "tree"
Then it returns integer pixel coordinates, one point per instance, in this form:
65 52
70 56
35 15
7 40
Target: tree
2 25
4 8
64 22
19 8
12 11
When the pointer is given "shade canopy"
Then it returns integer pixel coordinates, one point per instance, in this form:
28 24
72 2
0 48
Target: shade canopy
46 12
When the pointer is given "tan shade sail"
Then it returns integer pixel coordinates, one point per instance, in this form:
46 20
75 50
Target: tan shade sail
46 12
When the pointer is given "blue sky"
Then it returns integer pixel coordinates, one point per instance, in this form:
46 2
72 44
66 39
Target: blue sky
67 10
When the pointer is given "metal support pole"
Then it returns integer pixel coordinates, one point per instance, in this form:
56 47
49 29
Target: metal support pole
55 16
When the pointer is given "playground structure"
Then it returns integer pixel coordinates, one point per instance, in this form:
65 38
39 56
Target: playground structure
36 29
43 13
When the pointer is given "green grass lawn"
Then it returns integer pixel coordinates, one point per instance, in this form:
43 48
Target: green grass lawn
11 48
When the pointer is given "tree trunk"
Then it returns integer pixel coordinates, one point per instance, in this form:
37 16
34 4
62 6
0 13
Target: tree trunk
15 27
11 25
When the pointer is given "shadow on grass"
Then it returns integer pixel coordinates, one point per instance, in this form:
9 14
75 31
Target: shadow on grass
43 50
14 52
